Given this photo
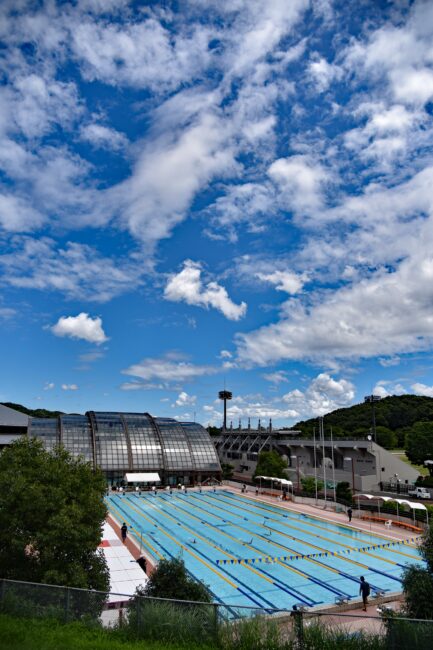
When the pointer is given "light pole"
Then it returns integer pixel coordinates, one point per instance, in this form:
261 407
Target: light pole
322 435
297 469
353 473
373 399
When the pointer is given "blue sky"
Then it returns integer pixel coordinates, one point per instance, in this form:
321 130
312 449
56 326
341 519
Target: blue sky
206 193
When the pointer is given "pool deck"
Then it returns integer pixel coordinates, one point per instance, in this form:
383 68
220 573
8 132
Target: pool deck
349 615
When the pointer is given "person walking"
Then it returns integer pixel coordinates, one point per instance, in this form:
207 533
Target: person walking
364 590
349 514
124 532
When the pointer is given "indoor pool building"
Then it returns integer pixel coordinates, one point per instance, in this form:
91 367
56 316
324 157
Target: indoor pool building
121 443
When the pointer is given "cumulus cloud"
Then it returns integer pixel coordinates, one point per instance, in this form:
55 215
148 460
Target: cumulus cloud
183 399
82 327
283 280
49 386
422 389
324 394
301 180
187 286
386 314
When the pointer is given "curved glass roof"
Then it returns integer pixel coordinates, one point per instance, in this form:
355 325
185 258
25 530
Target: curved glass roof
121 442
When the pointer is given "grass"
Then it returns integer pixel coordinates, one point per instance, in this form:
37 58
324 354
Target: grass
37 634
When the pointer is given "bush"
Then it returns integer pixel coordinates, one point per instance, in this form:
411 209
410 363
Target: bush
170 579
344 493
171 622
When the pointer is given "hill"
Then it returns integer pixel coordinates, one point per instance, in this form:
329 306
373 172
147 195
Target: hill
35 413
395 416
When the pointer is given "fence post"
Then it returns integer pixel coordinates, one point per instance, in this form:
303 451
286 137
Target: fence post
138 613
216 621
67 603
298 625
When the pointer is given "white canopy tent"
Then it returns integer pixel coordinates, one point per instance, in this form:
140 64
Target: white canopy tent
274 479
142 477
413 505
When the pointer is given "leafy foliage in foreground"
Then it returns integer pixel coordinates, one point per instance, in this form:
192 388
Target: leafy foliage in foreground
51 516
418 582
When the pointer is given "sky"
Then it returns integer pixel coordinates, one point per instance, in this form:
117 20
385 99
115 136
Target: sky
207 194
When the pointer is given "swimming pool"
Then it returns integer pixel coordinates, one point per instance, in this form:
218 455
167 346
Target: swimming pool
256 554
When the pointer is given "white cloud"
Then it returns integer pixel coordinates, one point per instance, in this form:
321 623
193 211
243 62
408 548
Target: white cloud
49 386
301 180
69 387
244 407
187 286
276 377
324 394
173 166
82 327
323 73
102 137
401 54
422 389
6 313
16 214
142 55
184 399
389 361
77 270
286 281
387 313
167 370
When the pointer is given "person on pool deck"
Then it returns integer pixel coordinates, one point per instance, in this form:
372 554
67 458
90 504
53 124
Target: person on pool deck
124 531
364 590
349 514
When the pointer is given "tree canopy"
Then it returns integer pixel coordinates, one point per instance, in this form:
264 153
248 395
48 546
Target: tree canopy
398 414
51 516
36 413
418 581
419 443
171 580
270 463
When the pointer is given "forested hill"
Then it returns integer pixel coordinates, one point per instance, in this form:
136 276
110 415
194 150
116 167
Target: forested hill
394 418
35 413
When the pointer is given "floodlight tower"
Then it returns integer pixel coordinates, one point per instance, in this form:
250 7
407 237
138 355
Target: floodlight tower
225 395
373 399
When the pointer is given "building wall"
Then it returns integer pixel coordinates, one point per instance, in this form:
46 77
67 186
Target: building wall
371 465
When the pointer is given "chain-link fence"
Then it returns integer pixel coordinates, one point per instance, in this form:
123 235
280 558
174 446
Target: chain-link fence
216 624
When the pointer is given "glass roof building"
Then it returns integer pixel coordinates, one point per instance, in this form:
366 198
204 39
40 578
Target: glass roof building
180 452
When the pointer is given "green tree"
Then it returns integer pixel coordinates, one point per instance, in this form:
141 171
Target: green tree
227 471
419 443
386 438
418 581
270 463
343 492
171 580
51 515
309 485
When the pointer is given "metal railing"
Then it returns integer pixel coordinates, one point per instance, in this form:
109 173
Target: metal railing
161 619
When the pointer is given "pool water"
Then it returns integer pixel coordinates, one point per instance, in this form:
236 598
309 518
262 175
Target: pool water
256 554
